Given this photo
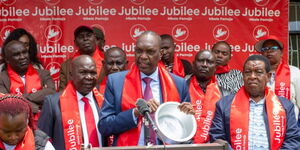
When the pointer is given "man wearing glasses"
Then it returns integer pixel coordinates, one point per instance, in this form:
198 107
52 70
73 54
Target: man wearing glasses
285 79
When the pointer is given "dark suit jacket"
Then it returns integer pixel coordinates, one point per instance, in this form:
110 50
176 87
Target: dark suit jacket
50 120
36 99
113 120
220 128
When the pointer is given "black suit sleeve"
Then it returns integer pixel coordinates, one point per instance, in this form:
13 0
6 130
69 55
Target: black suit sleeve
187 67
46 122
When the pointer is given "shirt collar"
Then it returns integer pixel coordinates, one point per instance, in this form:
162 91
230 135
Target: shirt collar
153 76
89 95
261 102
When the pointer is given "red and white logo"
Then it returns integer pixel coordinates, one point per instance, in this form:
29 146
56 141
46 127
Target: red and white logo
5 31
100 27
53 67
180 32
261 2
221 2
53 33
52 2
138 2
8 2
221 32
260 32
180 2
95 2
136 30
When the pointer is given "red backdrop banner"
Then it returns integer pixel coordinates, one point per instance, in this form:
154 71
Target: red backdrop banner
194 24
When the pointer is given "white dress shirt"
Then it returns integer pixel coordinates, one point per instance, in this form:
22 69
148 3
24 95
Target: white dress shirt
82 116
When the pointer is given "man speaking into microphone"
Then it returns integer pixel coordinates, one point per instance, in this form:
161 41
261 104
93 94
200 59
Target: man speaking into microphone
147 79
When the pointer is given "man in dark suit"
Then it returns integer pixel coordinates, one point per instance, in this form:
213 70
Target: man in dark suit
19 76
70 117
172 62
147 79
85 40
255 118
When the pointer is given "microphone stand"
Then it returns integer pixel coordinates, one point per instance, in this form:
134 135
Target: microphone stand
146 131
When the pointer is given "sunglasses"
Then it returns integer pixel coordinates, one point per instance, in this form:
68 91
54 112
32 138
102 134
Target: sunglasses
274 48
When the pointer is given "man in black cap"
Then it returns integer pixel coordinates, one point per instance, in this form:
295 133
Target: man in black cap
85 40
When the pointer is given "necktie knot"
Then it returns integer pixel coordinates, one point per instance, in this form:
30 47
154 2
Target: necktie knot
85 100
147 80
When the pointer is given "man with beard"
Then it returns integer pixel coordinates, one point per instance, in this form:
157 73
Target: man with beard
204 92
171 62
229 80
285 79
114 61
85 40
147 79
255 118
70 117
20 77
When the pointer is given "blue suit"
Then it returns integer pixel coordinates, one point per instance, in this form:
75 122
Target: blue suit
220 128
113 120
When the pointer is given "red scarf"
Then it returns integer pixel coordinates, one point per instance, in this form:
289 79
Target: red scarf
26 144
178 68
239 120
102 85
33 82
132 91
98 57
222 69
205 105
71 117
282 81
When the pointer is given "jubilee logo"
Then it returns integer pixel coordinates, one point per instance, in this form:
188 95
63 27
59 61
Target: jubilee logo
8 2
260 32
221 32
53 33
136 30
261 2
95 2
180 32
180 2
52 2
53 67
5 31
221 2
138 2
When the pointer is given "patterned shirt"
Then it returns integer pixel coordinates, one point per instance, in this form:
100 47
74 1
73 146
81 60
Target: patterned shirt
258 138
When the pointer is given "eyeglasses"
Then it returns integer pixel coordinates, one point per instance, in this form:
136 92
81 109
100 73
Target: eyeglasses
274 48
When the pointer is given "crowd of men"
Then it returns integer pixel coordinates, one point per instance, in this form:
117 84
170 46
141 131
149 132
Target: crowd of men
256 108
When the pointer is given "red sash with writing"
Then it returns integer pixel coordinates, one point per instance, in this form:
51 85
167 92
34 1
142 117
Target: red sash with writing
222 69
132 91
71 117
26 144
282 80
239 120
98 57
205 105
33 82
102 85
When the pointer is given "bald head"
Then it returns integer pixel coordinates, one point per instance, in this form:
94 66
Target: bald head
84 74
114 60
147 52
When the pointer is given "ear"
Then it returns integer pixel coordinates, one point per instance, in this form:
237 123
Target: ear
269 75
75 43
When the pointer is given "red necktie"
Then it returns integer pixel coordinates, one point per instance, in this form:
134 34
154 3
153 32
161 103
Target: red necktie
147 96
90 123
